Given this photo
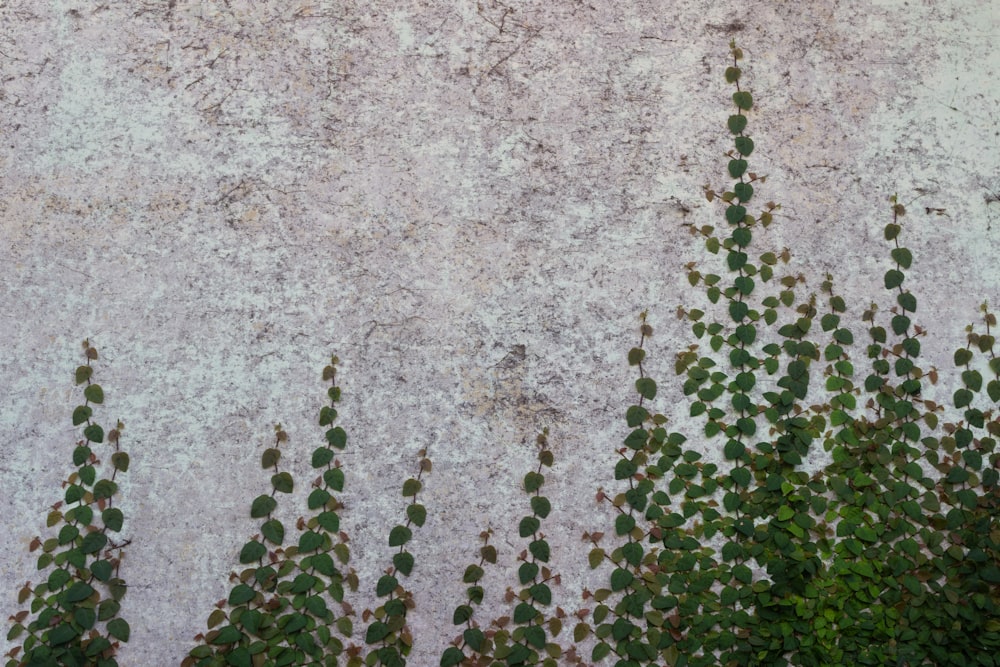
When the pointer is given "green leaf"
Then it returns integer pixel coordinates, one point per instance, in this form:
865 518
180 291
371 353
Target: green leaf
102 570
893 278
105 488
527 572
113 519
411 487
416 513
533 481
907 301
541 506
902 256
529 526
282 482
744 145
228 635
337 437
334 478
621 579
386 584
94 433
318 498
329 521
399 536
452 656
743 191
83 373
377 631
81 414
60 634
321 457
540 550
733 74
735 214
524 612
646 388
94 393
93 542
241 594
310 541
269 458
403 562
635 356
120 461
78 592
737 123
327 415
273 531
737 168
743 100
262 506
252 551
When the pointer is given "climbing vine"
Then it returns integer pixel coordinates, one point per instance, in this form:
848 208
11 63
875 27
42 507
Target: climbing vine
75 613
825 510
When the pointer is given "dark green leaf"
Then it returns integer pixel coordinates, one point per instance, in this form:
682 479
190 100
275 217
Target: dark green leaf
262 506
524 612
386 584
337 437
318 498
903 257
743 191
743 100
737 123
241 594
529 526
646 388
893 278
735 214
81 414
321 457
273 531
403 562
113 519
60 634
94 393
282 482
252 551
907 301
93 542
541 506
416 513
94 433
78 592
399 536
270 458
540 550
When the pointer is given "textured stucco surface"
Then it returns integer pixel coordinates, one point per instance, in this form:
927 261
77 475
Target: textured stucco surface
469 203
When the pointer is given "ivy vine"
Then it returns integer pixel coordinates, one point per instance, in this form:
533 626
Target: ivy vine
844 518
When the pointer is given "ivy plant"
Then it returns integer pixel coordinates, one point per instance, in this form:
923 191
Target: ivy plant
74 613
825 511
853 521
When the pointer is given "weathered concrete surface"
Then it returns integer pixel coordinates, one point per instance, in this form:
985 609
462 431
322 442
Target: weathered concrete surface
469 203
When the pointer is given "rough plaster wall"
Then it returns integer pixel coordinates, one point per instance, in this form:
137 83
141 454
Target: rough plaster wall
469 203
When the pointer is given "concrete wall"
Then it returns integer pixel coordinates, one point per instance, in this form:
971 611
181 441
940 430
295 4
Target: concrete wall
468 202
